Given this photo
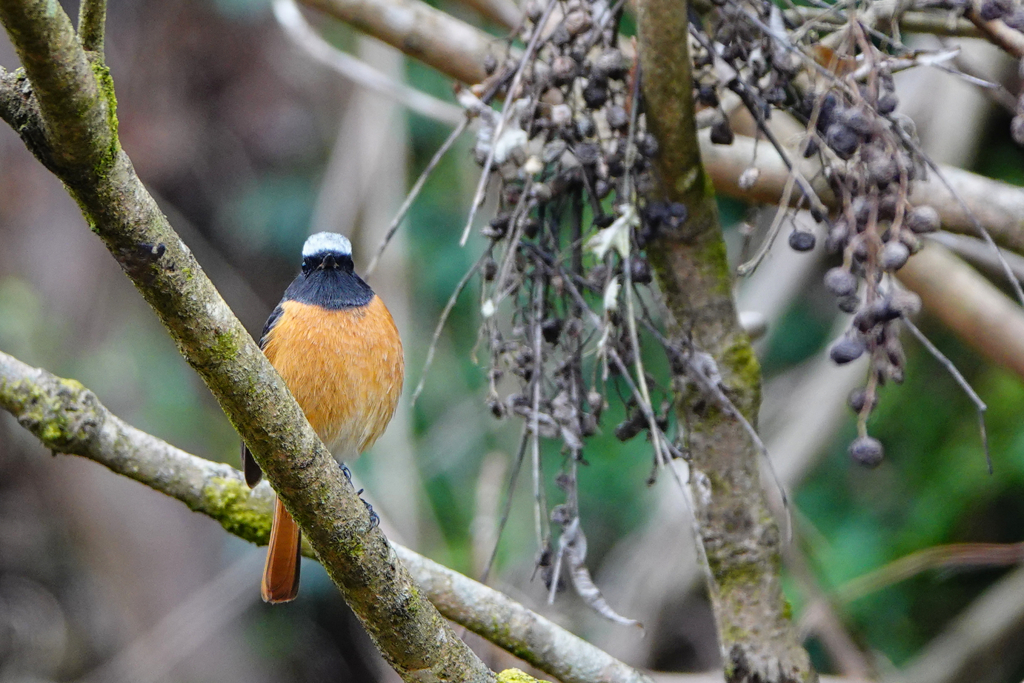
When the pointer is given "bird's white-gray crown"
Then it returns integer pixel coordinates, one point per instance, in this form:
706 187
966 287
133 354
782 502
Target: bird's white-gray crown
326 242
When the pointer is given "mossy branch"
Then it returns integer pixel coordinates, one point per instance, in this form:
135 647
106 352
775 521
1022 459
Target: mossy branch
69 105
68 418
738 535
92 18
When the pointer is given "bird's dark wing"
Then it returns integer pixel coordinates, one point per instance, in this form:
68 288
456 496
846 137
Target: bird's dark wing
250 469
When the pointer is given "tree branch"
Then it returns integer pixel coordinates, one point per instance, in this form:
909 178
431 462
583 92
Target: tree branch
738 535
434 37
997 205
68 418
76 107
92 17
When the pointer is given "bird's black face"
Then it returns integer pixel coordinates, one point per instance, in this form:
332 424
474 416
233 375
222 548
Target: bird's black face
327 261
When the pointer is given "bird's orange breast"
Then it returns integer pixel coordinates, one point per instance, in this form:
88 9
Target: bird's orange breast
344 367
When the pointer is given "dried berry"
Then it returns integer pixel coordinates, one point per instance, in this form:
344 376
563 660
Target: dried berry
707 95
801 240
640 271
617 117
612 64
840 281
866 451
847 349
490 64
848 303
587 153
551 329
563 69
995 9
647 145
857 399
887 103
721 133
923 219
595 94
489 269
842 140
894 256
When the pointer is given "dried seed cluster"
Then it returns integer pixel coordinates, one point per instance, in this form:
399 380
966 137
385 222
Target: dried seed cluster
566 250
843 92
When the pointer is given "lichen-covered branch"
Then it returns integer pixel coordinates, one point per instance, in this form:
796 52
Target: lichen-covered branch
68 418
739 537
92 18
69 121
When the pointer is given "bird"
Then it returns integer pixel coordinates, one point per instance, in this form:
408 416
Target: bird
336 346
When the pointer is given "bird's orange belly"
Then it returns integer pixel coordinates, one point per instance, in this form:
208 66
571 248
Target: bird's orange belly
344 367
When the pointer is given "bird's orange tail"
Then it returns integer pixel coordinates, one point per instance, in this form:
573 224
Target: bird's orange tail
281 573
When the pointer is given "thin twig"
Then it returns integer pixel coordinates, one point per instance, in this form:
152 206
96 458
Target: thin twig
513 478
415 191
960 379
441 322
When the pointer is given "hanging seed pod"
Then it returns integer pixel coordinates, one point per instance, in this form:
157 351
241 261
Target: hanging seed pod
842 140
857 399
848 303
647 145
595 94
721 133
923 220
551 329
995 9
640 271
867 451
489 269
612 64
707 95
577 22
887 103
847 349
801 240
497 227
560 36
857 120
585 126
840 281
882 170
563 70
617 118
894 256
587 153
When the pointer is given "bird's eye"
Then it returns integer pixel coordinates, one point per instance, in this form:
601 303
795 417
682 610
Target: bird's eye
307 266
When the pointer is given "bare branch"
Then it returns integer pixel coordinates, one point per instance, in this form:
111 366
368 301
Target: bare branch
968 304
302 34
435 38
68 418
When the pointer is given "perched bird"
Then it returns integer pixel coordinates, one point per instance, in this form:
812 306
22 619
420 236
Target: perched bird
337 348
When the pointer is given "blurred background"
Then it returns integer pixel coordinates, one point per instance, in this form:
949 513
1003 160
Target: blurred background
249 145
